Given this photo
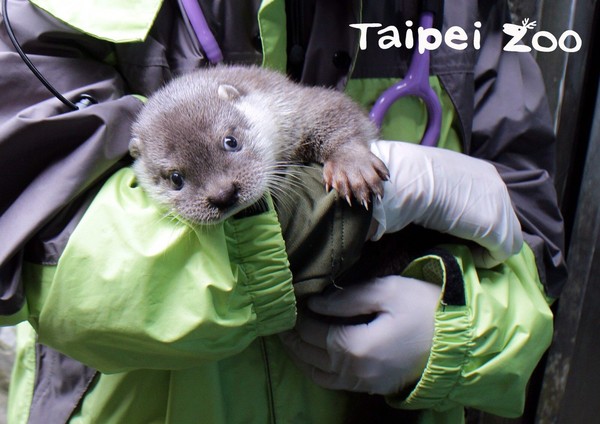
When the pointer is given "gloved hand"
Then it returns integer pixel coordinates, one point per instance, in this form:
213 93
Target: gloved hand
380 357
448 192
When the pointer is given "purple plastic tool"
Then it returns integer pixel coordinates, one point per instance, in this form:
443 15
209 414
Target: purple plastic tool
415 83
205 37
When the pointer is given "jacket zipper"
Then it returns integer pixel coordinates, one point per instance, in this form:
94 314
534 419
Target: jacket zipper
267 366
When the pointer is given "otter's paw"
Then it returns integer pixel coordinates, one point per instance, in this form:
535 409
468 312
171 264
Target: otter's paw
355 174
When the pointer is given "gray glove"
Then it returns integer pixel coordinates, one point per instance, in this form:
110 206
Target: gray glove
380 357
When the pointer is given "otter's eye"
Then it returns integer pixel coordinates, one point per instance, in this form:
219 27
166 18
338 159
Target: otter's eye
231 144
176 180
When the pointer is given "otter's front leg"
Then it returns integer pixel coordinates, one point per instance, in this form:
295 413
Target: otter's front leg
340 141
354 171
336 131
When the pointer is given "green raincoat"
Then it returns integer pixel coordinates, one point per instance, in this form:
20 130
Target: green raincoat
180 322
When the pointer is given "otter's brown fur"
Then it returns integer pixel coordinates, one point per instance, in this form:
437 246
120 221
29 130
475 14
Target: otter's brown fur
209 143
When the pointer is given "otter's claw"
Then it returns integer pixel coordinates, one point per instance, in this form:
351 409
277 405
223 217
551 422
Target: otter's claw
355 173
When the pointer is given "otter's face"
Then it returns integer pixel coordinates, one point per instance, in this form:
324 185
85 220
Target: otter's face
202 159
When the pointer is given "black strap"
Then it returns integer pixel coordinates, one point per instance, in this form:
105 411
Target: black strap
454 288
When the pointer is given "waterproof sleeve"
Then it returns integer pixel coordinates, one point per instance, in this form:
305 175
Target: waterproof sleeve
491 329
493 325
137 289
512 129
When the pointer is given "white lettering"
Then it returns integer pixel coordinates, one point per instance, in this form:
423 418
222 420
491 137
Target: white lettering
477 36
456 33
363 28
562 41
424 43
388 41
409 39
457 38
517 33
535 41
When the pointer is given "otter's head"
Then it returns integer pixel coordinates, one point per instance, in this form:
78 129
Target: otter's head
200 151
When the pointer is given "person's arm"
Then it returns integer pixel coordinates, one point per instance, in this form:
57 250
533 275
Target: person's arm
448 192
508 325
491 329
444 334
490 326
458 334
90 279
136 288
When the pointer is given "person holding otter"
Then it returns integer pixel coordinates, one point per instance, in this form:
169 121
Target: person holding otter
282 312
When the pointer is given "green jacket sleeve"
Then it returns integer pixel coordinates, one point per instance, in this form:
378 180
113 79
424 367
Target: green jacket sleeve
135 288
491 329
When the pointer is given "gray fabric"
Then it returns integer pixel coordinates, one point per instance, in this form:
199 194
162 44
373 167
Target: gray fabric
236 27
55 399
12 296
50 155
512 129
48 244
45 146
172 49
326 33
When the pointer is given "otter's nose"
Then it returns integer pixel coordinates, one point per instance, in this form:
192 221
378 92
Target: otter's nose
224 197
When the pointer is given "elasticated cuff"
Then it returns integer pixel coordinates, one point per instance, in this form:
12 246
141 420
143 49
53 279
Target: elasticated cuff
452 338
259 250
449 354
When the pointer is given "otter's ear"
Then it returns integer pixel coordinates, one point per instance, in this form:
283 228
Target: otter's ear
135 147
228 92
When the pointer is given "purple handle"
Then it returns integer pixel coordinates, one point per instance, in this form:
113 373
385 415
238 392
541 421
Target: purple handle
205 37
415 83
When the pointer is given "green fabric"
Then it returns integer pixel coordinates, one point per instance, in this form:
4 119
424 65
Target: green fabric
467 365
406 119
273 38
471 346
235 390
119 21
17 317
138 289
462 370
23 376
322 233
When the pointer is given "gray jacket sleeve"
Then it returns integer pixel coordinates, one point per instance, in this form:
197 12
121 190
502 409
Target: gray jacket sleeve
512 129
50 155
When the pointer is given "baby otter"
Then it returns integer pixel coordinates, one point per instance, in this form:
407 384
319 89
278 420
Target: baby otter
210 143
